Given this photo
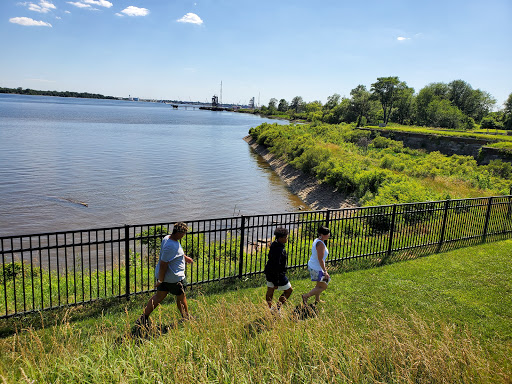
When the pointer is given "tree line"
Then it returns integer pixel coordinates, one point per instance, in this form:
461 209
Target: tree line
455 105
28 91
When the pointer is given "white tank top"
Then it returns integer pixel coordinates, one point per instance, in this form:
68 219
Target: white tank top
313 262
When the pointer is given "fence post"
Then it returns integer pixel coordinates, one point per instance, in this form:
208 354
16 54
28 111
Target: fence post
241 254
487 216
127 259
443 228
391 230
327 217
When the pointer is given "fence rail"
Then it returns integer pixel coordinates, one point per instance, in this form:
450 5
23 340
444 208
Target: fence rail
51 270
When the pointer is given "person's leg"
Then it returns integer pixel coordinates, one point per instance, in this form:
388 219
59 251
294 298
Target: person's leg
269 296
181 302
319 288
154 301
285 296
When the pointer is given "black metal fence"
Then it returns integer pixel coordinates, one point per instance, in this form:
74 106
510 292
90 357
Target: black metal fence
51 270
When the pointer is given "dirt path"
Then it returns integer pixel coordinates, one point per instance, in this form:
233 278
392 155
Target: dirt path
316 195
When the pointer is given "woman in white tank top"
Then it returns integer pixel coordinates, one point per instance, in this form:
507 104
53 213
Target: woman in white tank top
316 266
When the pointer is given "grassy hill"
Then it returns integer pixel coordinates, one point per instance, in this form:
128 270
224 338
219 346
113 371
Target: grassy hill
445 318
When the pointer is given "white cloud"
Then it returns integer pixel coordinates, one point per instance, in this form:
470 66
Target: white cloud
102 3
79 5
27 21
47 4
401 38
135 11
191 18
43 6
67 12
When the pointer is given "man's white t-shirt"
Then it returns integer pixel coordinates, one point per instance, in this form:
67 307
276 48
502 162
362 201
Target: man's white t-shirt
172 253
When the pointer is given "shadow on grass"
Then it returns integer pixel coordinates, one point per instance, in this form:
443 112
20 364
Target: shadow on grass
262 324
138 333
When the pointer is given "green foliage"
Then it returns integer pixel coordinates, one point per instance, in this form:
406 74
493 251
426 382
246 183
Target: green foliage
384 90
500 168
28 91
10 271
492 121
153 238
383 142
453 106
383 172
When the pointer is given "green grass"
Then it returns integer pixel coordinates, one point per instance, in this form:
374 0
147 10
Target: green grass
476 134
445 318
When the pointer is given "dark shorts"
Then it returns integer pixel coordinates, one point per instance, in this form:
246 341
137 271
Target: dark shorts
278 280
176 289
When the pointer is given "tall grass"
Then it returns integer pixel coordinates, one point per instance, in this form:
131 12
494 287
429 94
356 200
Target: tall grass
233 342
441 319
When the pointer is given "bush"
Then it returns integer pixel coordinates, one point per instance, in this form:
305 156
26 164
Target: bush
400 190
382 142
490 122
500 168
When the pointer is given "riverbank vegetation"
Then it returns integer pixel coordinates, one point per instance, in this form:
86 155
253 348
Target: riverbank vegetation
455 105
445 318
378 170
28 91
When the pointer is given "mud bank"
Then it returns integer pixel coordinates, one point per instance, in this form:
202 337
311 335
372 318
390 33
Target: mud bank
314 194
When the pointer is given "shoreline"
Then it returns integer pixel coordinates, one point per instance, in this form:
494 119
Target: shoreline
316 195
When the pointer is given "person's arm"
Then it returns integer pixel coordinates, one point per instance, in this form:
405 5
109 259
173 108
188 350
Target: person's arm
320 250
161 272
188 259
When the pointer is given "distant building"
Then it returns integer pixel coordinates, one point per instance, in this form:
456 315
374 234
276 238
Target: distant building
215 101
251 103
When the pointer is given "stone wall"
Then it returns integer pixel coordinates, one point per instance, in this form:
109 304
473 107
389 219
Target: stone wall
447 145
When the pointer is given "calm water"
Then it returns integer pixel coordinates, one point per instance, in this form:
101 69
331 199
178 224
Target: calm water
130 162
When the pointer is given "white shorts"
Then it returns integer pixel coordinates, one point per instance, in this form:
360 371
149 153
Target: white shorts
279 288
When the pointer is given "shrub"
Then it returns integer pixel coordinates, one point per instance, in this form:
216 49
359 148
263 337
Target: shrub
500 168
382 142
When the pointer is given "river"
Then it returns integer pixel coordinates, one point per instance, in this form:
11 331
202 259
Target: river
68 164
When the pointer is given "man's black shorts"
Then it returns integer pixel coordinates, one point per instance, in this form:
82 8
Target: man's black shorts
176 289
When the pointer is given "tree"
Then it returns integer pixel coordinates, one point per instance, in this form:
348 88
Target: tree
474 103
508 112
283 105
493 120
429 93
483 103
402 112
332 101
272 106
297 104
343 112
508 105
384 90
313 110
360 102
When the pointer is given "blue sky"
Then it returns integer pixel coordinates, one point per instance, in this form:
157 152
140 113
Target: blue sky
263 49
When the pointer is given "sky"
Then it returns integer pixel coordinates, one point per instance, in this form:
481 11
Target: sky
184 50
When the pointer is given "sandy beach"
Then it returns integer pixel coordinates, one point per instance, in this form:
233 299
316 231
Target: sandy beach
315 195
